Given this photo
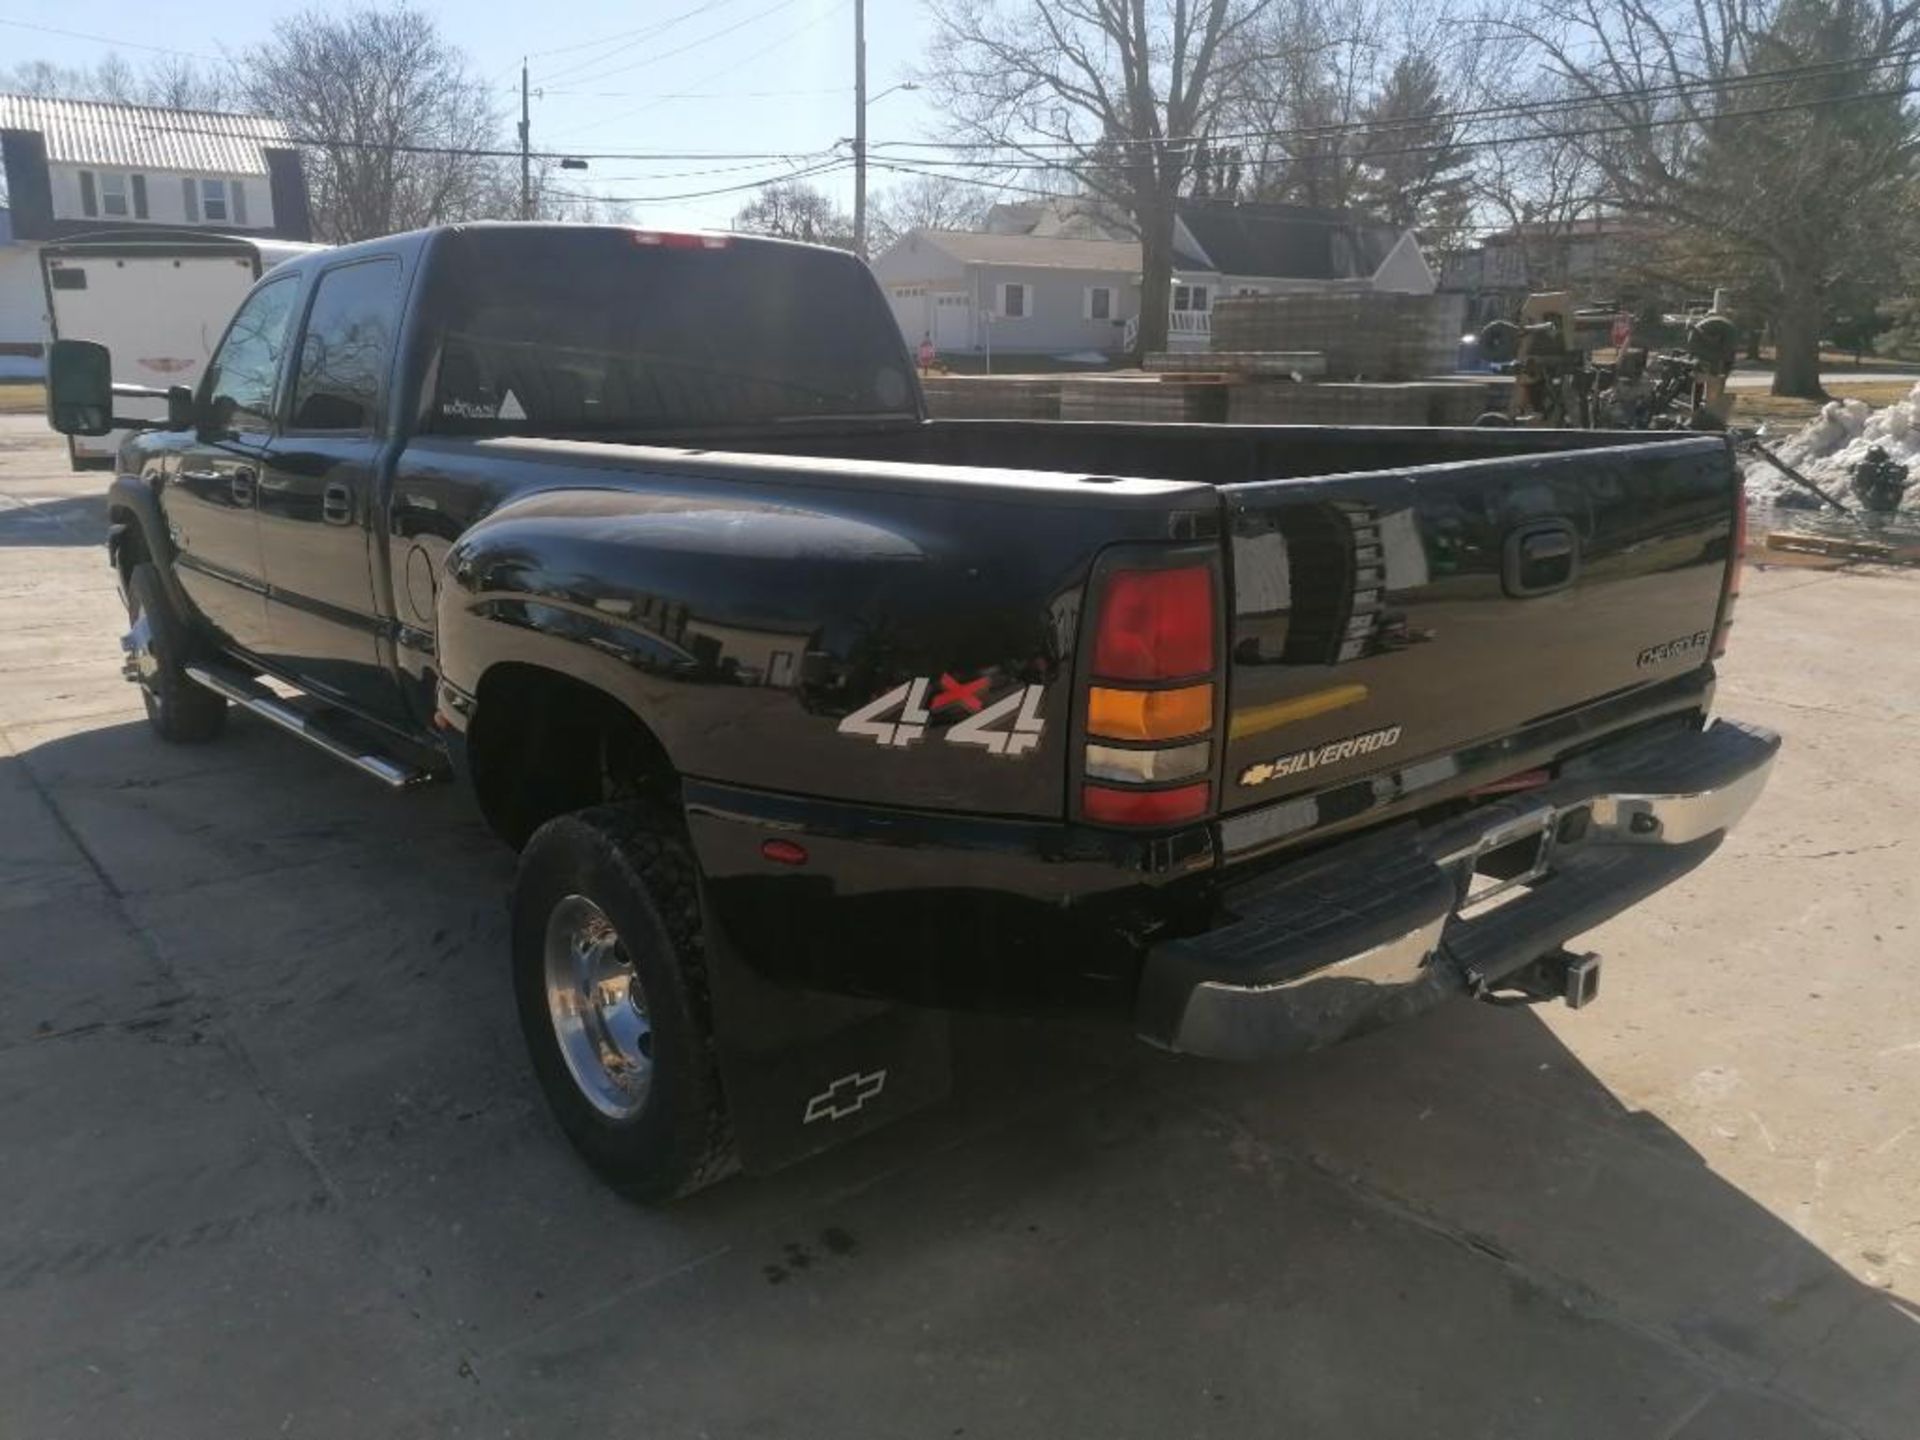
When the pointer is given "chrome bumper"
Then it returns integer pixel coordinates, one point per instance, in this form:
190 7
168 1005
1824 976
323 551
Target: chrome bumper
1385 927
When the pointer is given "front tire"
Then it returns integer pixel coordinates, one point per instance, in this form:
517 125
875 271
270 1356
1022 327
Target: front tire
609 976
157 646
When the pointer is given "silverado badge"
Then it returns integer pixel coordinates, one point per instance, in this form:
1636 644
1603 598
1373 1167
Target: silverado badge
1332 753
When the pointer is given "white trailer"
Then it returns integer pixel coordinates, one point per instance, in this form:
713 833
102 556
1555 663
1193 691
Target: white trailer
160 303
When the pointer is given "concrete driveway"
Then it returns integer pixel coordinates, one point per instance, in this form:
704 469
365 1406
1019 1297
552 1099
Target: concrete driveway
275 1164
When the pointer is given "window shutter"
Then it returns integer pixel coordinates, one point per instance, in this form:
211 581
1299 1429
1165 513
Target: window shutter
139 197
191 195
89 204
239 194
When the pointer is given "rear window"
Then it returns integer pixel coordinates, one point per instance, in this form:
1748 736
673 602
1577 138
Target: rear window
592 330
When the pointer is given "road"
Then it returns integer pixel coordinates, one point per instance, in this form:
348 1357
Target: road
277 1166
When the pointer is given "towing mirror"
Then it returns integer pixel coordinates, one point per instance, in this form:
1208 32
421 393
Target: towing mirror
180 407
79 388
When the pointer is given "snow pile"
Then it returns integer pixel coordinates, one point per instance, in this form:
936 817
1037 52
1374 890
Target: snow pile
1827 447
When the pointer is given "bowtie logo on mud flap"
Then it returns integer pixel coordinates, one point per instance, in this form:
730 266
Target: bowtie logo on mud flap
845 1096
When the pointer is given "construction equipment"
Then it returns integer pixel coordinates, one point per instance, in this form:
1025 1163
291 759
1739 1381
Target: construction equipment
1557 382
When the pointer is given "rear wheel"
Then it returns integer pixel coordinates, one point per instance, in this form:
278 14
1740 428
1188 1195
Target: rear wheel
178 709
610 980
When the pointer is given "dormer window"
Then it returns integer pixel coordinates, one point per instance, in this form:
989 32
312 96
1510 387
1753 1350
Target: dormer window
214 201
114 194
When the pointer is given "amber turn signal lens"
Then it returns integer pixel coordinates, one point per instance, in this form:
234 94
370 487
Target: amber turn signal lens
1149 714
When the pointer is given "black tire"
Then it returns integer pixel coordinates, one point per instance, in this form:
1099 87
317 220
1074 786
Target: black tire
179 710
634 868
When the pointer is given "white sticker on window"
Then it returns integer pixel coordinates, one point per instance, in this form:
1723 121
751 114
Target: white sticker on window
510 408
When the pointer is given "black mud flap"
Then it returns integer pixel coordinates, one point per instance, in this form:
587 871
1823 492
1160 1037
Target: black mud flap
805 1071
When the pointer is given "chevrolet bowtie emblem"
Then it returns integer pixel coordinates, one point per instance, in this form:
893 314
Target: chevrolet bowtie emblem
845 1096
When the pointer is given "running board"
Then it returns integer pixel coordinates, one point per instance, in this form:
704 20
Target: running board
249 695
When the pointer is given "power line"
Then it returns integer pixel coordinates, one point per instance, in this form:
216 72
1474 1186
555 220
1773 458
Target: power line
663 96
1677 89
655 59
831 167
631 38
732 66
114 41
1576 133
639 32
813 156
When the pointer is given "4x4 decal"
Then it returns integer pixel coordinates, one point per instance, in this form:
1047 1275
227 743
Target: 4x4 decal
1009 725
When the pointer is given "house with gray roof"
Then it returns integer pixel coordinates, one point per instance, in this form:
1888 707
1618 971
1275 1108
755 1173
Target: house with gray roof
1062 278
91 167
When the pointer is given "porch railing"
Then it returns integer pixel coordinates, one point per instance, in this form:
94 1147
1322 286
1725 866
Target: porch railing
1189 324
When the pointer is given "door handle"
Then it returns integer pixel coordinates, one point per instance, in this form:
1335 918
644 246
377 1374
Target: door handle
336 504
201 477
241 484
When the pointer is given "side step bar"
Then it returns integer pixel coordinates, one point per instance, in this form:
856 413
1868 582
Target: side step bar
394 773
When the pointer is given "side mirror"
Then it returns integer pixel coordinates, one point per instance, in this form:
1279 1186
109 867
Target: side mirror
79 388
180 407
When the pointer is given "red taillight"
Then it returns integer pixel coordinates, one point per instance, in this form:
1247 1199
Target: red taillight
1736 568
1108 806
1151 679
679 240
1155 624
784 852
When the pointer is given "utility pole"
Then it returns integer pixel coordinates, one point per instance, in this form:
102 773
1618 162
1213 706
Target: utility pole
526 158
860 128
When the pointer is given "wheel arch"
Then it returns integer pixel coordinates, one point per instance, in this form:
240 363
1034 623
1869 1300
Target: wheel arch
136 531
542 742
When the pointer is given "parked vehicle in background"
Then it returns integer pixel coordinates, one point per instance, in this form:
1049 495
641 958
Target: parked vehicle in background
157 302
811 716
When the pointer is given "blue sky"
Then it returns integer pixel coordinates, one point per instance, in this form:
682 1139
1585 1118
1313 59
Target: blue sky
716 75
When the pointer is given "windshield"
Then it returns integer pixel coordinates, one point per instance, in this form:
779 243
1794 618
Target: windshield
592 330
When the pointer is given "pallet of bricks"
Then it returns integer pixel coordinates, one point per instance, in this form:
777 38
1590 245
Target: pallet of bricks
993 397
1382 356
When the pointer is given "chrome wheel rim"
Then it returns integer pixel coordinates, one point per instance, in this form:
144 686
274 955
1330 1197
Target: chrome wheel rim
141 665
598 1008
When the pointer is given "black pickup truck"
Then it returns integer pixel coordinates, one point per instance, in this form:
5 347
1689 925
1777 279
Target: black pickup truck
814 718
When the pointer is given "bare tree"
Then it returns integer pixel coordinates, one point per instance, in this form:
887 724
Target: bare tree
1118 93
171 82
1298 108
795 210
179 84
397 126
1538 190
926 202
1774 129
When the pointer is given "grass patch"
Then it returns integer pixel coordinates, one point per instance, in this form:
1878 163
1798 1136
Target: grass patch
28 399
1782 410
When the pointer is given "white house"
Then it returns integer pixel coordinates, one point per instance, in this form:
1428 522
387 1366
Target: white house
1062 279
89 167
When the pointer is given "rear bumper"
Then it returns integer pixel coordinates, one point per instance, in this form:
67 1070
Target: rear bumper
1376 930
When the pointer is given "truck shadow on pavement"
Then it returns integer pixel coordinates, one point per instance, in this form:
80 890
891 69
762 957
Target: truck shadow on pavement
80 520
273 1002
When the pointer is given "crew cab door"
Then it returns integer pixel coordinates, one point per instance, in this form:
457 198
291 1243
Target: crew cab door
317 493
210 499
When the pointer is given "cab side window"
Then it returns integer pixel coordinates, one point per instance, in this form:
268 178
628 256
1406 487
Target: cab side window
240 381
347 347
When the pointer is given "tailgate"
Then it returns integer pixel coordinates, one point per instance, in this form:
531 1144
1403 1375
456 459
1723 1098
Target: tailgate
1387 617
